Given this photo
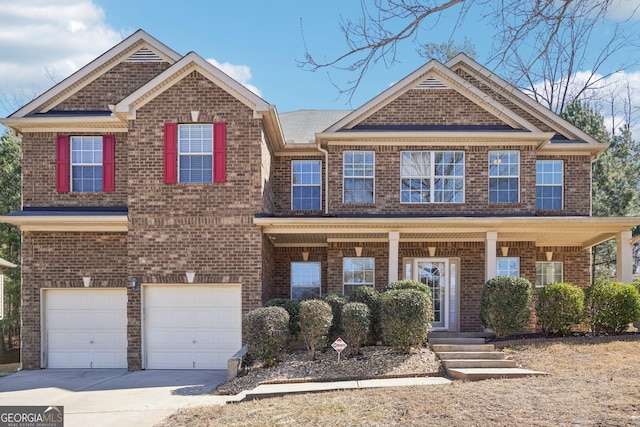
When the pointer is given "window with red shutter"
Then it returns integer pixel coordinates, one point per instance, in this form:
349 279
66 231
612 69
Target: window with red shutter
108 163
62 164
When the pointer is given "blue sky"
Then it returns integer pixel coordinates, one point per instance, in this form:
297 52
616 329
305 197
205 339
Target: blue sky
257 42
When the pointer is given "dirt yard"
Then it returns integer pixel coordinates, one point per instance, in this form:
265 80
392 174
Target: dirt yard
589 385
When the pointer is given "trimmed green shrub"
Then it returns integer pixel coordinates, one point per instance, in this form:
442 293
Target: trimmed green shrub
293 308
611 306
368 295
505 304
408 284
355 324
266 332
405 316
559 306
336 301
315 321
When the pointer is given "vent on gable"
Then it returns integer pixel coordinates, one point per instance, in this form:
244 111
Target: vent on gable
431 83
144 55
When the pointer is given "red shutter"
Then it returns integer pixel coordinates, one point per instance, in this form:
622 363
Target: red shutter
108 163
62 164
220 152
170 153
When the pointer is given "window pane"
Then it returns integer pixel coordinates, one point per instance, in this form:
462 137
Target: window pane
548 273
507 266
357 272
305 185
358 181
305 280
428 177
86 163
549 182
195 147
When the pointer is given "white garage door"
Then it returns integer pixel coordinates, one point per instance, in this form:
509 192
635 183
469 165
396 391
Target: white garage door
86 328
192 327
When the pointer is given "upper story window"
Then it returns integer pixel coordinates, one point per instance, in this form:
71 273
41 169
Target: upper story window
549 184
305 185
504 176
195 153
86 164
432 177
357 272
507 266
359 175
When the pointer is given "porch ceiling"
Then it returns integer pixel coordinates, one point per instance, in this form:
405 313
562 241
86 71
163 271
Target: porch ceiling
583 232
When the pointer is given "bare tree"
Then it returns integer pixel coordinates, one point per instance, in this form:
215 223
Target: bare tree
541 27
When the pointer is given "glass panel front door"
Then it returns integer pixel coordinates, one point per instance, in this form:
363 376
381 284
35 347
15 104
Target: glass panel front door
433 272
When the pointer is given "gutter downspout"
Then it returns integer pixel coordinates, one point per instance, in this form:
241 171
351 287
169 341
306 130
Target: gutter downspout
326 178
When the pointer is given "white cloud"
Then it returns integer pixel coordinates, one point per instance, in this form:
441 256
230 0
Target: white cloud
621 10
44 41
240 73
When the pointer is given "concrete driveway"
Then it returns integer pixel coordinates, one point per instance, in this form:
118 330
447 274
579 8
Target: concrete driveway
112 397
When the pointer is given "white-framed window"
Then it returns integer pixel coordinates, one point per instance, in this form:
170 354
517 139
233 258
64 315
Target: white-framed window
549 182
306 189
195 153
86 164
305 280
507 266
358 176
548 272
357 272
432 177
504 176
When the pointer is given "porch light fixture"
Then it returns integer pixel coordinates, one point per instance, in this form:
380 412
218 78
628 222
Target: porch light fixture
549 255
305 255
87 281
432 251
358 250
133 281
504 250
190 276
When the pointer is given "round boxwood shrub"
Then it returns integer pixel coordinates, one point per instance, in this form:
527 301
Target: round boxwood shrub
355 324
505 304
266 332
369 296
315 321
408 284
293 308
405 316
611 306
559 306
336 301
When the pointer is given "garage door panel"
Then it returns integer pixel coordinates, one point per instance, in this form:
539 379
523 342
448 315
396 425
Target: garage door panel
86 328
191 317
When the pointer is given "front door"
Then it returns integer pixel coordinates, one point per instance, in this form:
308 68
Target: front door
433 273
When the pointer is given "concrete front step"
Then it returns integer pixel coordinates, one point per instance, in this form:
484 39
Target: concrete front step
455 340
479 363
439 348
448 355
476 374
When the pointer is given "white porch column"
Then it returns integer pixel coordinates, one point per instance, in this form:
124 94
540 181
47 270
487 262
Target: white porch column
624 259
490 255
394 237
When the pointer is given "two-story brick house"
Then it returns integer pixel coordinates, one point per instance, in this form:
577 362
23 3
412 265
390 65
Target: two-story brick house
162 199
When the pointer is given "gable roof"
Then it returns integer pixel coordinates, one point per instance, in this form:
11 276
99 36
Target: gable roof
301 126
137 46
126 109
565 138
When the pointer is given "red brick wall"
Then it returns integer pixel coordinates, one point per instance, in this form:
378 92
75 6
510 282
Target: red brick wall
60 260
113 86
282 272
432 107
282 184
39 174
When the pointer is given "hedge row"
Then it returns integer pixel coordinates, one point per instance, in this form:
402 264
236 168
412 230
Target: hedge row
400 316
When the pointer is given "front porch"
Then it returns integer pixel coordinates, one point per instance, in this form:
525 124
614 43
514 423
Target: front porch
455 256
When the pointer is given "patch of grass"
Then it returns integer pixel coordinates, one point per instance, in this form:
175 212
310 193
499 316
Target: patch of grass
589 385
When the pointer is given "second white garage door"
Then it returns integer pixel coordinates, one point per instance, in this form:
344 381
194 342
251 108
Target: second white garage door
192 327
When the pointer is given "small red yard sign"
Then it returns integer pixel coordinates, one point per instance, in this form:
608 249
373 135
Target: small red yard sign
339 345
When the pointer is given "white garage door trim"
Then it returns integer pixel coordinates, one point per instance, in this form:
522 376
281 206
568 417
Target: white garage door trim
191 326
84 328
